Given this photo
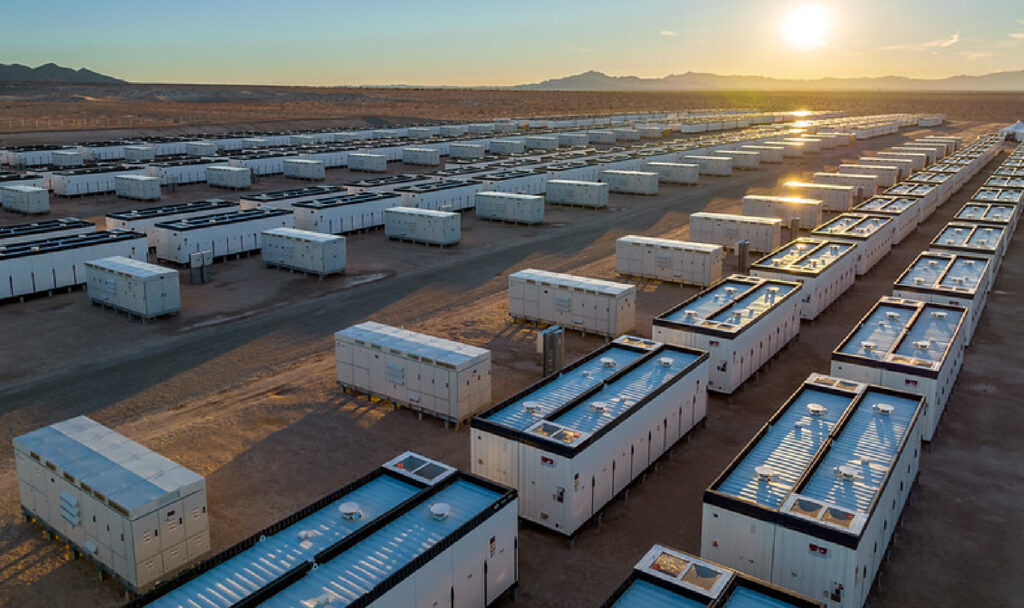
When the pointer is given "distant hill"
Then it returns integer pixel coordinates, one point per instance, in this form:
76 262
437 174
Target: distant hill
694 81
51 72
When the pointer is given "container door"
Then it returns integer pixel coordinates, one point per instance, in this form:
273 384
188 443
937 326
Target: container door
146 536
468 561
194 508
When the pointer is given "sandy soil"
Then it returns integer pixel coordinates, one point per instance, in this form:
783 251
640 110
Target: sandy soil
240 388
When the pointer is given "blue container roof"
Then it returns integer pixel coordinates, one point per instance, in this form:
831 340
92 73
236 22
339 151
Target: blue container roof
969 235
642 594
853 225
878 332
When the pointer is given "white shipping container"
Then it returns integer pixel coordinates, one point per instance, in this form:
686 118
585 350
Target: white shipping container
675 173
968 237
907 345
667 260
833 197
467 151
931 154
133 286
137 187
903 166
144 220
345 212
370 163
68 158
905 211
742 159
423 225
223 234
25 199
573 139
885 177
421 156
510 207
873 234
507 146
631 182
864 185
955 279
918 160
763 233
285 199
576 193
182 172
89 180
826 269
741 321
448 194
310 252
139 154
574 302
201 148
769 153
235 178
446 379
40 266
601 136
120 505
301 168
927 194
44 229
522 181
711 165
572 442
787 208
541 142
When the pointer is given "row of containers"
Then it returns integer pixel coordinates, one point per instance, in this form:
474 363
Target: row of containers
533 456
303 224
210 163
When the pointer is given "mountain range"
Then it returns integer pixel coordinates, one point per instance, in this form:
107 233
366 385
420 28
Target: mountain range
695 81
51 72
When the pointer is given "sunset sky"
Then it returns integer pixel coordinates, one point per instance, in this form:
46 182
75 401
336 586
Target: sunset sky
492 44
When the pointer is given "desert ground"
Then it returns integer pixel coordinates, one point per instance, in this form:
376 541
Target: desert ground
240 388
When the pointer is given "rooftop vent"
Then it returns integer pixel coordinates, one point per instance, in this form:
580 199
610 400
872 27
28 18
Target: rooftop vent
305 534
599 406
892 315
773 290
868 346
883 408
765 472
665 361
440 510
933 263
320 601
922 344
846 472
607 362
919 280
730 290
350 511
816 409
939 314
531 407
690 314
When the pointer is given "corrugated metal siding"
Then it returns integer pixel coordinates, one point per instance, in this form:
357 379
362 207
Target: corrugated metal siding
787 448
642 594
251 570
867 434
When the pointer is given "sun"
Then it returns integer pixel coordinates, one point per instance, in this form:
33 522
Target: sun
805 27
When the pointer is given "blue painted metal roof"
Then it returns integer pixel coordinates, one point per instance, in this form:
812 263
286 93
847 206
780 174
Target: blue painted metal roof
853 225
986 212
911 189
711 300
565 388
999 195
618 396
876 333
369 562
788 446
973 236
754 303
943 271
642 594
231 581
867 434
929 336
927 270
805 255
887 204
965 274
744 597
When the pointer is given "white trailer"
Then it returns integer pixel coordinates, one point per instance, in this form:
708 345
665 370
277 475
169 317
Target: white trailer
285 199
754 511
466 151
421 156
865 185
137 187
427 226
576 193
369 163
510 207
233 178
301 168
873 235
345 212
134 514
763 233
742 159
668 260
40 266
139 154
904 210
826 268
806 211
908 345
769 153
918 160
144 220
522 181
711 165
447 195
136 287
223 234
904 166
968 237
89 180
885 177
667 577
28 200
675 173
572 442
44 230
181 172
631 182
948 278
67 158
833 197
507 146
309 252
742 321
439 377
574 302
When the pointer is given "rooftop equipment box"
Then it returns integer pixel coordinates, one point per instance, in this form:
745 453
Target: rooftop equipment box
127 509
787 208
907 345
301 168
285 199
763 233
873 235
423 225
137 187
510 207
576 193
136 287
904 210
572 442
145 220
742 321
826 268
948 278
631 182
668 260
574 302
832 196
442 378
370 163
44 229
234 178
223 234
666 577
312 252
25 199
812 501
711 165
345 212
675 173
